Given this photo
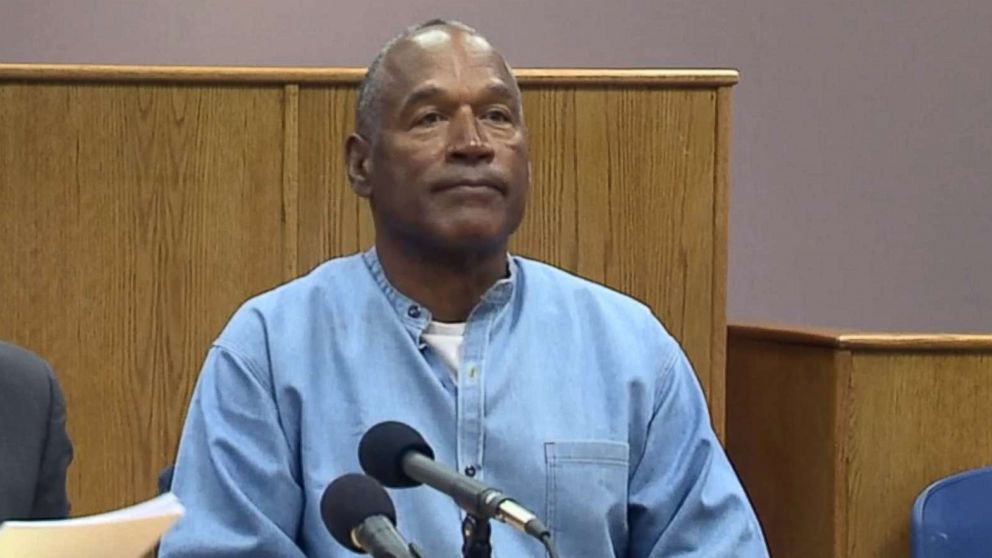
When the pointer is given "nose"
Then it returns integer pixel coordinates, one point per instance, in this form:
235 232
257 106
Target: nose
468 143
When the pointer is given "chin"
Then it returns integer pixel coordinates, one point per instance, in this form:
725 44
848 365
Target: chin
474 237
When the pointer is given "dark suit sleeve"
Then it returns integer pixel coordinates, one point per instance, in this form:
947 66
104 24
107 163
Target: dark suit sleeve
50 501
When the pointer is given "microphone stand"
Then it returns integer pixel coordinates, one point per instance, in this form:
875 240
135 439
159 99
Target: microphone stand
475 533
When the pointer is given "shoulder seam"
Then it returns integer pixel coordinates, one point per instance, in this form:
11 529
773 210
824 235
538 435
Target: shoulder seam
249 363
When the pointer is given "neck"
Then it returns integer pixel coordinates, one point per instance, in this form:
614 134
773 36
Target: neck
449 285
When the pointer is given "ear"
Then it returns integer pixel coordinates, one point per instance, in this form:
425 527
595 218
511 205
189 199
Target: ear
357 154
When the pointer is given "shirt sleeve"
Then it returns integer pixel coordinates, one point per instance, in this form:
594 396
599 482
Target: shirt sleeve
50 500
235 472
685 499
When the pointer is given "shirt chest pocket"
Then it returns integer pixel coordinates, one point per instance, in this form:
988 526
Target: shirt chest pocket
587 496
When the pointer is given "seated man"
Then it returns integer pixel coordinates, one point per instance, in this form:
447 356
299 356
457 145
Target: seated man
35 450
566 395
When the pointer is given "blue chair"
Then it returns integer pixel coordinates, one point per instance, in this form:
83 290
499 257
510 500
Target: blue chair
953 517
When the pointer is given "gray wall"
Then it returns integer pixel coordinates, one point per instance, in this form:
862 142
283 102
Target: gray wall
862 174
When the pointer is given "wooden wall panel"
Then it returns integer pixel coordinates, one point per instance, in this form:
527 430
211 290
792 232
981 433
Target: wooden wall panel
550 229
716 392
140 206
839 432
333 220
782 417
135 220
916 417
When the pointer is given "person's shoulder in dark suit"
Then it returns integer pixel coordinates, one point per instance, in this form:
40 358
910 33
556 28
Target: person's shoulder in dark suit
35 450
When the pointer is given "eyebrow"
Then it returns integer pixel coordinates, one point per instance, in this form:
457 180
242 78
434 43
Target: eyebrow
432 90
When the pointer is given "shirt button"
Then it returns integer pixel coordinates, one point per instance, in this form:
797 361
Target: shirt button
413 311
470 471
473 371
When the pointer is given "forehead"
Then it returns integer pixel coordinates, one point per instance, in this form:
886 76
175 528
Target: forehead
444 57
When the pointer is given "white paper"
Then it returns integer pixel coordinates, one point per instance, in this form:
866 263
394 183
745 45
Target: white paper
126 533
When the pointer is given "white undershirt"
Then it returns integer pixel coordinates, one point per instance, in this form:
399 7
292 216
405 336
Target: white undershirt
446 340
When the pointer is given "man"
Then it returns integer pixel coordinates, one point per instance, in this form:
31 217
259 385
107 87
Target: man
564 394
35 450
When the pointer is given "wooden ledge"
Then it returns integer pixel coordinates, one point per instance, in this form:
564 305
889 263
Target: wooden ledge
223 74
838 339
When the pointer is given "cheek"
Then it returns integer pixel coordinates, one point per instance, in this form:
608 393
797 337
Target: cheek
404 156
518 163
519 150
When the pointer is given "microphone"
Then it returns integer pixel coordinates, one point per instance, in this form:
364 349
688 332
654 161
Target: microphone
399 457
360 515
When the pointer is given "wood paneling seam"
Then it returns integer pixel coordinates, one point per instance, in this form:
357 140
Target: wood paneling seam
291 180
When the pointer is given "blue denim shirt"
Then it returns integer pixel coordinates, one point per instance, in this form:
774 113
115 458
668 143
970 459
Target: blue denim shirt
571 398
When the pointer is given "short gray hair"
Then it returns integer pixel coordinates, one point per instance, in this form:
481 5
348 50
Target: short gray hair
370 90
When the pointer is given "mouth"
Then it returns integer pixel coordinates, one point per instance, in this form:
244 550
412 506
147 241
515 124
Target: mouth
470 184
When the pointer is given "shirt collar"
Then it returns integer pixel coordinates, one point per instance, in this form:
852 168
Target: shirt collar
415 316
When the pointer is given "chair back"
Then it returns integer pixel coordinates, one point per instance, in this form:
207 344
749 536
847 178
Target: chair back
953 517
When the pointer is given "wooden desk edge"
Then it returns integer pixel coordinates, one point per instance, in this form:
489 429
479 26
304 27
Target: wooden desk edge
687 77
838 339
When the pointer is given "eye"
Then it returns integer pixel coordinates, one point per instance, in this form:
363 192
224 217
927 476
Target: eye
498 115
429 119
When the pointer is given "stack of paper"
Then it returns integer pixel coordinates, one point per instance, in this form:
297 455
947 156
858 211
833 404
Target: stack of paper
127 533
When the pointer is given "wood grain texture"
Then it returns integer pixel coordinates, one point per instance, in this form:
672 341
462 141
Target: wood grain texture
915 417
134 220
291 181
721 217
334 221
680 77
781 433
904 417
136 216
